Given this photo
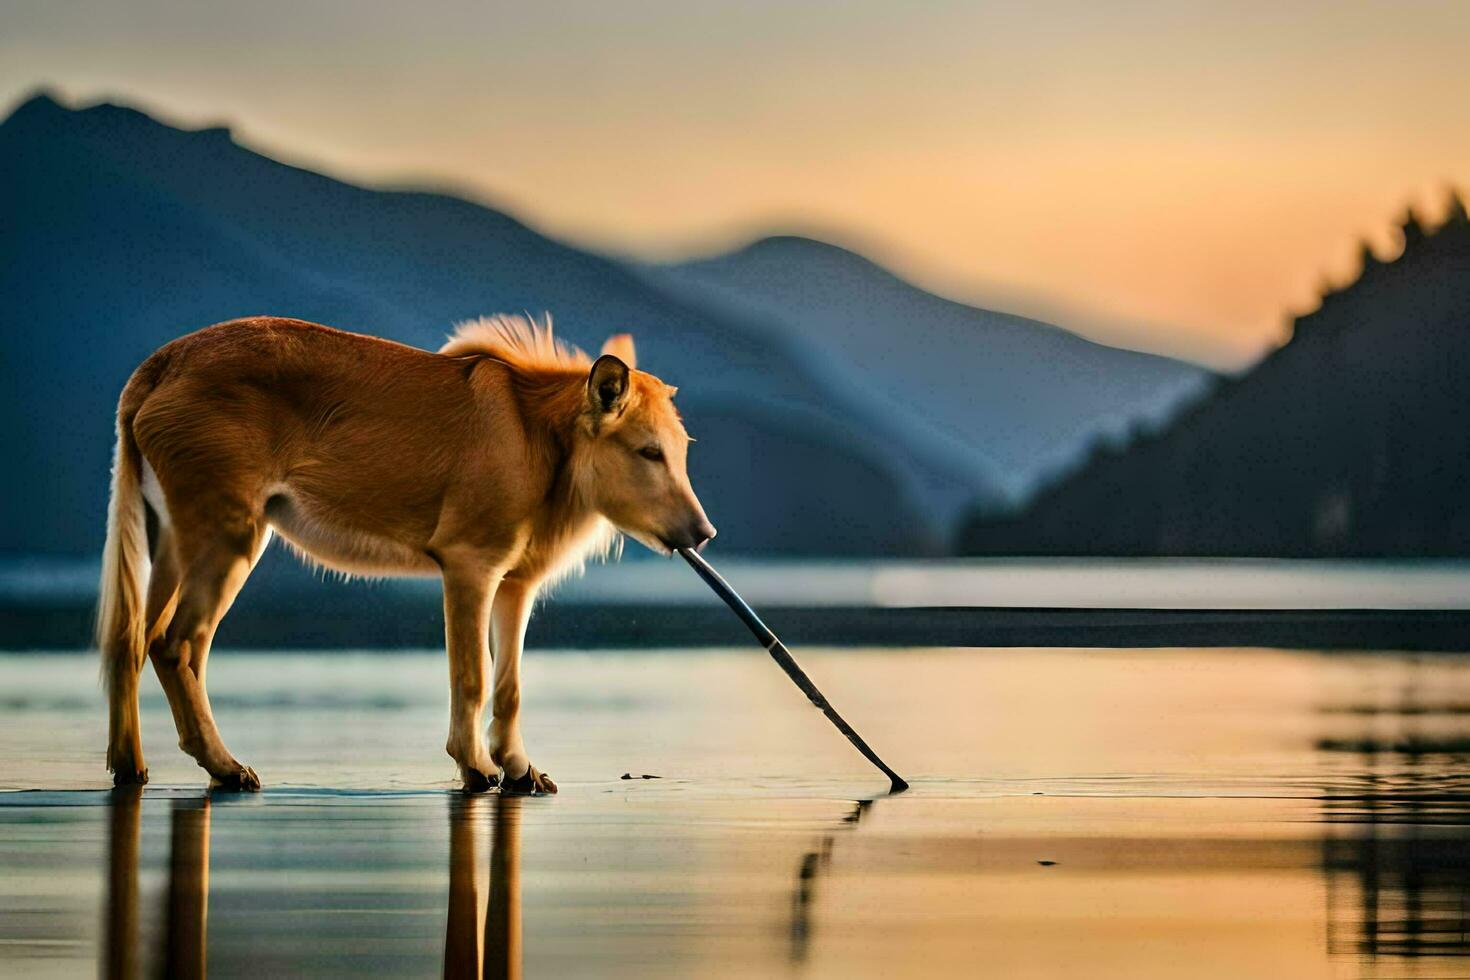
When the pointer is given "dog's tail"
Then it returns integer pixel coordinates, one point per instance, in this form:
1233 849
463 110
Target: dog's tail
121 616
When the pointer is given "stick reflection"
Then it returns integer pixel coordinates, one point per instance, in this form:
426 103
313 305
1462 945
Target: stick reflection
483 933
813 864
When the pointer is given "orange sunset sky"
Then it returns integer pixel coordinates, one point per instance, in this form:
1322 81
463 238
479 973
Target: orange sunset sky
1174 176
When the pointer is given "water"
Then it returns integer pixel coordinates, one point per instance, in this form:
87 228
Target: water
1218 813
1103 583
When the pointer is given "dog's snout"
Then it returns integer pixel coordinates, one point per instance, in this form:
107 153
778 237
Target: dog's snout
695 536
704 533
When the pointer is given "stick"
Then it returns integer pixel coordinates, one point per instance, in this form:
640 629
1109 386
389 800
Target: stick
788 663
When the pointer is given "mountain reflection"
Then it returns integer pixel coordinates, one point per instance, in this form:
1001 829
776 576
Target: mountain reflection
1396 852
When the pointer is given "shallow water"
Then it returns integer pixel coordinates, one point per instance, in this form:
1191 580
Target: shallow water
1218 813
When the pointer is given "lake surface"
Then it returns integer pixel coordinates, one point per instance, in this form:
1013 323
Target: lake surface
1078 583
1101 813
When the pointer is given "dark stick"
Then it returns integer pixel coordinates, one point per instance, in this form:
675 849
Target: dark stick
788 663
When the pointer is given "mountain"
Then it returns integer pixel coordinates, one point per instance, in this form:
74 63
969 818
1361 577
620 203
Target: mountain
1353 439
121 233
1006 394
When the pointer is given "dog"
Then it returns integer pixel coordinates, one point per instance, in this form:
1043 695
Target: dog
499 463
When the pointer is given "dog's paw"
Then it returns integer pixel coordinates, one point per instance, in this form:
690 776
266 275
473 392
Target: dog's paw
130 777
532 782
476 781
244 780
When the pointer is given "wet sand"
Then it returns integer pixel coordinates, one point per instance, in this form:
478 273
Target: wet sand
1074 813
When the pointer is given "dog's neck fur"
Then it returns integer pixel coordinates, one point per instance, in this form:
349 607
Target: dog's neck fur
549 380
553 407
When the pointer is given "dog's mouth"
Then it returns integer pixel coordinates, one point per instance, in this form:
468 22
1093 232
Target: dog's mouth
668 548
661 545
653 543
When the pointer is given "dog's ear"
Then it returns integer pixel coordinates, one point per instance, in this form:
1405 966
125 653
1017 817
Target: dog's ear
607 385
621 345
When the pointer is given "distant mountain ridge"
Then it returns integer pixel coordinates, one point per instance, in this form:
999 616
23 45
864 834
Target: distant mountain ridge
1015 396
1352 439
121 232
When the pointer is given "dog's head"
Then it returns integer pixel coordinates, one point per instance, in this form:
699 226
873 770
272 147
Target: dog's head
632 467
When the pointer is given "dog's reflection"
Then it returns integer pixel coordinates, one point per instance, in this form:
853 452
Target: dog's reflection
188 887
120 947
482 938
483 935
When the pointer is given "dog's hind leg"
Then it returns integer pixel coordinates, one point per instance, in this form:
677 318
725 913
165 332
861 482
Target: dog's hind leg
163 593
215 564
124 737
125 745
509 617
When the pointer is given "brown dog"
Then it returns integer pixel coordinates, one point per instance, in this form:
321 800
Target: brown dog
499 463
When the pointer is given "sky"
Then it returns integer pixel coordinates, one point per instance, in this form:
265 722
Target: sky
1170 175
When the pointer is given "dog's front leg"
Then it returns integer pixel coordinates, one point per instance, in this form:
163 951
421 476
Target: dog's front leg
469 590
509 616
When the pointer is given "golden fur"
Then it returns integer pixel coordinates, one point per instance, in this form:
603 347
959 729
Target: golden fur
517 340
498 463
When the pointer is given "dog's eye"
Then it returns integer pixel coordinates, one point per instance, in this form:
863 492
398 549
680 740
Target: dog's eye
652 454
